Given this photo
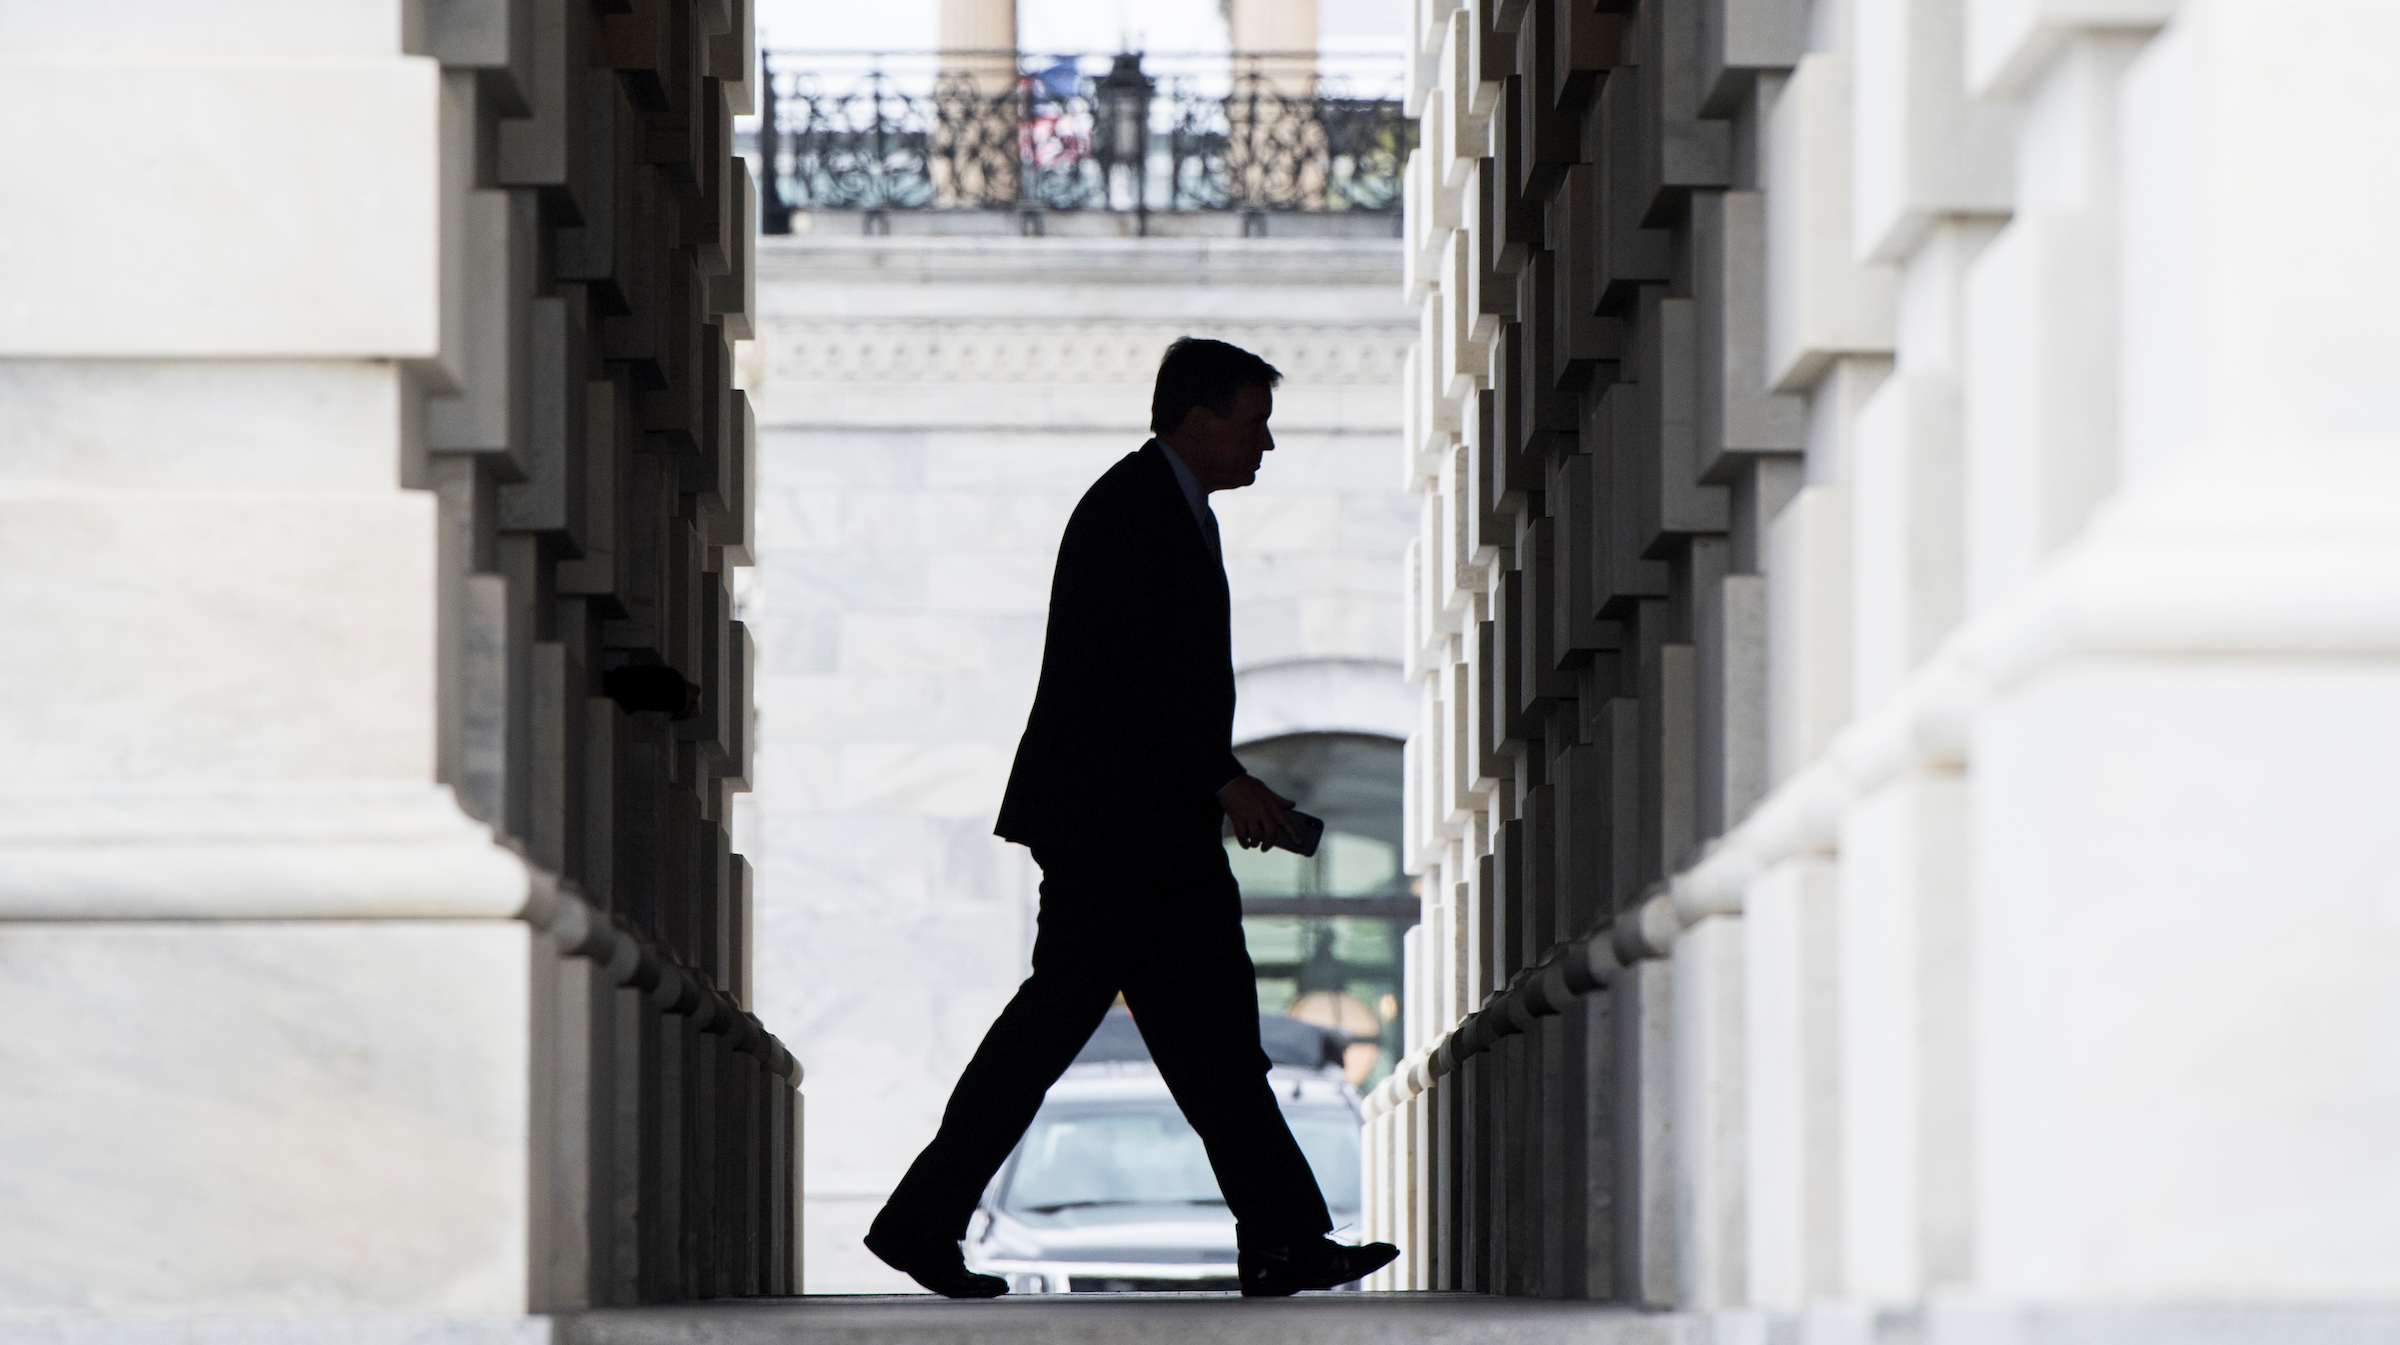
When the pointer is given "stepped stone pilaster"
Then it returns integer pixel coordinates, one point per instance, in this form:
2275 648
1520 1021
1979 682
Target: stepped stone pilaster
367 376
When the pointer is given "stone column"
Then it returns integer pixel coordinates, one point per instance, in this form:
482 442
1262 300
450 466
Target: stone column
979 41
256 958
1277 156
975 136
1279 36
321 513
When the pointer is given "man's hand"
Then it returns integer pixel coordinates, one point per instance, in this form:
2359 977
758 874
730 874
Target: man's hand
1260 815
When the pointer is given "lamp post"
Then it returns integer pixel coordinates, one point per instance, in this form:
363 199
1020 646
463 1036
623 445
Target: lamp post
1123 96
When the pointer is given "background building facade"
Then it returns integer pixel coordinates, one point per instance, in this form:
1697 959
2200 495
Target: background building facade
975 257
931 408
1901 812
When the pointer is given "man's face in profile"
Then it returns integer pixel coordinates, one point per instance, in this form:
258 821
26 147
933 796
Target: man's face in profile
1223 452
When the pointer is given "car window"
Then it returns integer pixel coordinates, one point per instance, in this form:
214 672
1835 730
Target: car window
1150 1155
1117 1157
1330 1139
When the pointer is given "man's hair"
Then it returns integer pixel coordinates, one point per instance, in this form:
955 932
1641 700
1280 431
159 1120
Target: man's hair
1198 372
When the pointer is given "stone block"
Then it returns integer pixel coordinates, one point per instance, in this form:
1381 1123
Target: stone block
1808 618
2040 429
1907 532
1471 70
1738 413
1791 1085
798 772
2173 1097
1272 520
988 581
1734 771
879 522
1644 1207
798 518
1907 1041
1922 146
1343 626
791 645
1352 571
733 296
284 672
1708 1143
242 274
838 461
2008 42
997 522
287 425
924 779
1465 356
323 1116
494 37
2216 130
1740 39
1063 462
846 580
1267 631
282 28
1821 303
553 496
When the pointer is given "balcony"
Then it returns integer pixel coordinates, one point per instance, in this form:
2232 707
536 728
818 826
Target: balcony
980 142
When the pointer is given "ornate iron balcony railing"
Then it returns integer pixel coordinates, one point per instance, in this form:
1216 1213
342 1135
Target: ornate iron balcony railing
1260 133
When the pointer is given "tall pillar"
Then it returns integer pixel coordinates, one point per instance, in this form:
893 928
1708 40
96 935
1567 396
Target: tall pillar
1279 36
979 41
323 508
975 134
1277 156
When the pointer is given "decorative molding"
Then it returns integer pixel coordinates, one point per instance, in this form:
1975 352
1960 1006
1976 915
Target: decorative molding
1070 350
271 851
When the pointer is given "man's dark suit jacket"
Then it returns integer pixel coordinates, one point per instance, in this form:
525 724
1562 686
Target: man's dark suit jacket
1132 727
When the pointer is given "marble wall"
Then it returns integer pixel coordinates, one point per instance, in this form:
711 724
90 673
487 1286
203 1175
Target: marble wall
1904 610
365 370
930 410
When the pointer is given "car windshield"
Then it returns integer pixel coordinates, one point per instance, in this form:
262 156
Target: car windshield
1141 1155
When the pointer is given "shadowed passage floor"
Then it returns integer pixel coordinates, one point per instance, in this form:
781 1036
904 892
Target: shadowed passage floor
1123 1319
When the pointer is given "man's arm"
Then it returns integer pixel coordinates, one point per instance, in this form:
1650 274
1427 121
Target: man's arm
1260 815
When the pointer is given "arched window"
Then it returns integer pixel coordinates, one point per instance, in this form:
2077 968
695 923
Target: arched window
1325 931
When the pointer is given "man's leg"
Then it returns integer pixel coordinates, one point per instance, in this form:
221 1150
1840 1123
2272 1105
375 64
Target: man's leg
1194 994
1028 1047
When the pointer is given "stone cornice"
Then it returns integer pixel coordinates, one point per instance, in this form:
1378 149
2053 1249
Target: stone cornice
324 852
1272 262
1067 351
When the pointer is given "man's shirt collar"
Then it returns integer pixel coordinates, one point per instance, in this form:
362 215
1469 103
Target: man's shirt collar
1192 494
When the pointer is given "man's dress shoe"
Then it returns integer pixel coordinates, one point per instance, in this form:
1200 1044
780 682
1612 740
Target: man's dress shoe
1275 1272
933 1261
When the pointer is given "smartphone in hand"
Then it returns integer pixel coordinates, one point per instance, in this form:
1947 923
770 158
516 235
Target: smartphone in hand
1305 833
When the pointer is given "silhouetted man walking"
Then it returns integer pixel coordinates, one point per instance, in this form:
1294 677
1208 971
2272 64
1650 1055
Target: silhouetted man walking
1122 779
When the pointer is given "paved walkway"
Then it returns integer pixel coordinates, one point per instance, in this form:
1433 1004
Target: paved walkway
1123 1319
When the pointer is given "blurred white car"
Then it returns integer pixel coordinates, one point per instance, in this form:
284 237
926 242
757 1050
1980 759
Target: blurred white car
1110 1190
